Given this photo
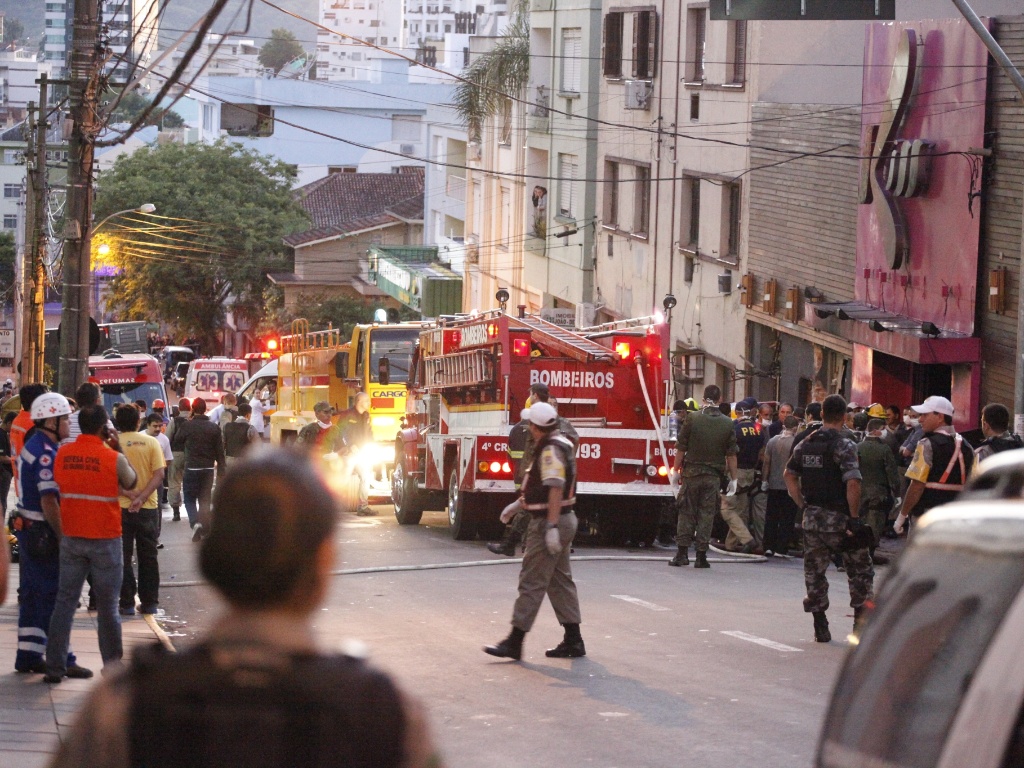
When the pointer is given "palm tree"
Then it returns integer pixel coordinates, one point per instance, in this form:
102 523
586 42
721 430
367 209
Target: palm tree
497 75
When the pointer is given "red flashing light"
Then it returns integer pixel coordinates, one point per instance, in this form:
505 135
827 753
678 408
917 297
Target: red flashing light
521 347
623 349
272 344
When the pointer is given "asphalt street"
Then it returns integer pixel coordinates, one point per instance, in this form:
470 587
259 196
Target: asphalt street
713 668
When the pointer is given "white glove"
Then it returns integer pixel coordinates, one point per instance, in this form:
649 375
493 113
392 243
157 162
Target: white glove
732 487
764 486
553 541
509 512
900 520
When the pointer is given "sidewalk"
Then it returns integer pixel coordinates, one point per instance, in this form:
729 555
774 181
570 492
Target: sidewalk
34 715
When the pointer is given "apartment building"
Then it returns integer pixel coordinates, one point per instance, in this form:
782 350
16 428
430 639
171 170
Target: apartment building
673 138
130 29
378 22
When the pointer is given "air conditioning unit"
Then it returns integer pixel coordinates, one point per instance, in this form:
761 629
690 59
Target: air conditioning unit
407 149
585 315
638 94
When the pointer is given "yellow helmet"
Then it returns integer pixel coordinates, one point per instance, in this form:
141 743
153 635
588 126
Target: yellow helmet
876 411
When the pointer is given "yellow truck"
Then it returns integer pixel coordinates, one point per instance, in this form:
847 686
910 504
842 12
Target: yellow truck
319 366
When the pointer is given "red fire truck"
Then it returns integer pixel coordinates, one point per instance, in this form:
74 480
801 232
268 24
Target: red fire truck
470 380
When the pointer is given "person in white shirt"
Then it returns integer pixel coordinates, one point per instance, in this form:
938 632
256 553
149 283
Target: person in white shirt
256 419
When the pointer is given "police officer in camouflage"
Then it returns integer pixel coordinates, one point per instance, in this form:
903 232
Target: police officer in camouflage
705 452
823 478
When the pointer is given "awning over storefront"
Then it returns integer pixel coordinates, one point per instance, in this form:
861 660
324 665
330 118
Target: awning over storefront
414 276
918 341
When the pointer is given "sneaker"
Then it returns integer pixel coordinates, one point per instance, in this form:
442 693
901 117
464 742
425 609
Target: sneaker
77 672
126 610
148 609
365 512
769 553
197 532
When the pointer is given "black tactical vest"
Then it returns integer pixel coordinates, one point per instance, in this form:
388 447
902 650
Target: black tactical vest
254 706
821 478
943 447
535 492
178 438
236 438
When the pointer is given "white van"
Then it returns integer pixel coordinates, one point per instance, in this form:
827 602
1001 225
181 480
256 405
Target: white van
210 378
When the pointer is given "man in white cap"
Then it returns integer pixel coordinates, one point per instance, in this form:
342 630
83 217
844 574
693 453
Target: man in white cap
942 461
549 490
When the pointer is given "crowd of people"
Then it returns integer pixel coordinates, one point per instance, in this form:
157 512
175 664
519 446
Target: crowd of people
91 488
826 481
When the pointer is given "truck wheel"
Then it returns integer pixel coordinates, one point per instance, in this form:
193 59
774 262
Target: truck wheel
461 511
405 496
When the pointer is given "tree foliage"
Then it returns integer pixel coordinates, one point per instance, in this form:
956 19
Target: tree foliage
14 30
281 48
221 213
496 76
132 104
7 275
323 311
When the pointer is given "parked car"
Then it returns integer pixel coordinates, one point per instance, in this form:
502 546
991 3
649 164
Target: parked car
935 679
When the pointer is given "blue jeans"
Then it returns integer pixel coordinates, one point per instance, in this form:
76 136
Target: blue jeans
197 488
102 558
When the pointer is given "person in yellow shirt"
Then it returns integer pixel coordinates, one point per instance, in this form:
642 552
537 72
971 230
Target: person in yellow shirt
140 513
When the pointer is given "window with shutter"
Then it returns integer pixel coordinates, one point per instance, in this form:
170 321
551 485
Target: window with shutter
567 174
645 44
572 51
641 199
697 30
733 204
738 60
612 56
611 193
693 234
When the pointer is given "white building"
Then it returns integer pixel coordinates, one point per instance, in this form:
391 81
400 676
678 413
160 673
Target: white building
220 56
378 22
131 33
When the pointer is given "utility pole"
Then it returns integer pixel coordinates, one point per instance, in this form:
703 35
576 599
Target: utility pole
86 63
34 278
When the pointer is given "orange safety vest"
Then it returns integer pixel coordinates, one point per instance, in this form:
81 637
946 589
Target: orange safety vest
19 429
86 471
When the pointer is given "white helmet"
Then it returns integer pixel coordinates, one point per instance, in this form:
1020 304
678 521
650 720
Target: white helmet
48 405
542 414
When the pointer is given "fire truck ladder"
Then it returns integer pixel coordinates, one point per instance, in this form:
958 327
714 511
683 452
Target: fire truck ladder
562 341
460 369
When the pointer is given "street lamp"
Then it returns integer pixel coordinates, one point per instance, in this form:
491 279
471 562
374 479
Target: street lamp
74 338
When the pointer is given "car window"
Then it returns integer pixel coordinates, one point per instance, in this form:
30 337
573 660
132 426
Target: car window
937 612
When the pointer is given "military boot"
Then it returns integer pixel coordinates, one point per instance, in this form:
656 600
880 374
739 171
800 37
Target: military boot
571 646
682 557
821 633
507 545
177 514
511 647
860 615
702 560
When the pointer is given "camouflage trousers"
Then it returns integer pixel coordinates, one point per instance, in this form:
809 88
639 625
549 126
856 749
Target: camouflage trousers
696 505
819 547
